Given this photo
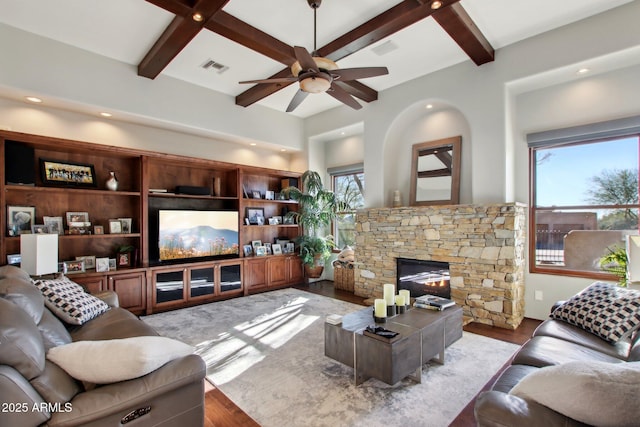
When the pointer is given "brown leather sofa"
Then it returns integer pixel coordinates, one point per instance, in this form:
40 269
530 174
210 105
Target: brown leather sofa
36 392
554 342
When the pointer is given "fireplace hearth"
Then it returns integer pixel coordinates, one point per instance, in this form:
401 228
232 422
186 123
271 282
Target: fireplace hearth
423 277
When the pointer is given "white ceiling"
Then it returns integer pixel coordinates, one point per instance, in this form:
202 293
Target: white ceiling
125 30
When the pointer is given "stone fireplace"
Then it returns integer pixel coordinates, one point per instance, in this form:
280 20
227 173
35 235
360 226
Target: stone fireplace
483 244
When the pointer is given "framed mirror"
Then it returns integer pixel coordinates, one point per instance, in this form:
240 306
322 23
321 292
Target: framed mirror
435 172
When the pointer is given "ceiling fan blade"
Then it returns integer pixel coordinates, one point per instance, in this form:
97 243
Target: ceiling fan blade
346 74
305 59
343 96
296 100
281 80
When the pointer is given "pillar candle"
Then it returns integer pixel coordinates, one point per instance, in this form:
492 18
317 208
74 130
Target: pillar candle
380 308
389 291
407 296
400 300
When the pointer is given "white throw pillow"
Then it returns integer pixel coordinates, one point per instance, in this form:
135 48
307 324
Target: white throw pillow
110 361
596 393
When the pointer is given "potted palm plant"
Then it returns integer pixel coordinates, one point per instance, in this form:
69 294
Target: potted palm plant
317 207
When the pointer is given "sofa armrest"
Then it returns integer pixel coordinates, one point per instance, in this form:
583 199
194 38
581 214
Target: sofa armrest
109 403
21 403
497 409
110 297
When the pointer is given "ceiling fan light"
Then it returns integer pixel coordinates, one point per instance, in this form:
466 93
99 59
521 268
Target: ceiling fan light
321 63
315 84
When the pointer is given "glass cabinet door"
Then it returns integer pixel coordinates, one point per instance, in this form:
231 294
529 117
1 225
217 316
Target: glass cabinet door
201 282
230 277
169 286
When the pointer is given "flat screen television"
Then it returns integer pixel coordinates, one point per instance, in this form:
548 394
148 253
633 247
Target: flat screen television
193 234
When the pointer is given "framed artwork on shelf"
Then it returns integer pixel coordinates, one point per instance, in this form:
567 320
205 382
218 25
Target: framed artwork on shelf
77 217
14 259
255 216
89 261
261 251
277 249
102 264
256 243
39 229
115 227
98 229
70 267
124 259
247 250
112 264
256 194
125 225
268 248
20 219
269 195
54 223
64 174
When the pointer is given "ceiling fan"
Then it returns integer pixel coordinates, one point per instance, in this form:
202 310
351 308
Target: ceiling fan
316 74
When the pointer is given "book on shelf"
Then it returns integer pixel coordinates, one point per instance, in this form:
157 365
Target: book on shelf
435 301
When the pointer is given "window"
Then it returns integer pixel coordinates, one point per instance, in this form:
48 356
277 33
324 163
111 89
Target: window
584 198
348 186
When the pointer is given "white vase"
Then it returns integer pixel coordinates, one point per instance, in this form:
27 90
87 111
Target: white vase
112 182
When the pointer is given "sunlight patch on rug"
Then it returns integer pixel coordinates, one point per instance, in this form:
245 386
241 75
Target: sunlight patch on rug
266 353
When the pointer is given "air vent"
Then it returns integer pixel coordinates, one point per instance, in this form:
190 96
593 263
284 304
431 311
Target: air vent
384 48
210 64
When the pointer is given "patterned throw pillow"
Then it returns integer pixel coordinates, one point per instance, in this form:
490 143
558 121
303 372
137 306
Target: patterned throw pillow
68 300
606 310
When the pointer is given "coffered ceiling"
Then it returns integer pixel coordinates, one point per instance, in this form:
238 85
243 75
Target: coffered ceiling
253 39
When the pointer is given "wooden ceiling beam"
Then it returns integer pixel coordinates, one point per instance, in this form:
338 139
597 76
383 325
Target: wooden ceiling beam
177 7
177 35
458 24
248 36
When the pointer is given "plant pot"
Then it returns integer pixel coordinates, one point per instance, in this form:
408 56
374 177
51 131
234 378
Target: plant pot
313 271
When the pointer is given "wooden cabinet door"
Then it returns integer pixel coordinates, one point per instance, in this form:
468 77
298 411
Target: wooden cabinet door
256 274
295 270
131 290
92 284
277 271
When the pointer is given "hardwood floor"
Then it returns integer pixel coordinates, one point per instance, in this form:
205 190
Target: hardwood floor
222 412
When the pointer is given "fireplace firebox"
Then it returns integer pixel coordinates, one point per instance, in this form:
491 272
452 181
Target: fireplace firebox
423 277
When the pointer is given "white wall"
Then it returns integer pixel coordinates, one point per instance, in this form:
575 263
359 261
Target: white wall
41 120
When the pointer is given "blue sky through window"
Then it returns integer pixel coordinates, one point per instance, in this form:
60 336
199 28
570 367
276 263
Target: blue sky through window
564 177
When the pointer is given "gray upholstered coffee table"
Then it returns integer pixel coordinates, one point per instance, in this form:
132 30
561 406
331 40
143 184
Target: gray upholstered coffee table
424 335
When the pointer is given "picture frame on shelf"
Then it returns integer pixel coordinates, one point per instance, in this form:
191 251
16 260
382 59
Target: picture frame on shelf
276 248
98 229
273 221
255 215
256 195
20 219
289 248
269 195
89 261
54 223
112 264
123 259
39 229
71 267
77 217
268 248
256 243
125 225
247 250
67 174
102 265
115 227
261 251
14 259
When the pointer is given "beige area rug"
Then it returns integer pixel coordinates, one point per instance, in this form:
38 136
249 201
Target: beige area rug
266 353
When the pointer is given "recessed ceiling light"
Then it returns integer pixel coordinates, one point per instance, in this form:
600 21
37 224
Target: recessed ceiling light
583 70
343 133
436 5
33 99
253 144
283 149
105 114
428 106
197 17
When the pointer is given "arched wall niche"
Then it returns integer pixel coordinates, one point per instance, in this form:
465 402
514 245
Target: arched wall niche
418 124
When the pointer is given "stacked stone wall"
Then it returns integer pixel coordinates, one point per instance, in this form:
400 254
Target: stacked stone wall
483 244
